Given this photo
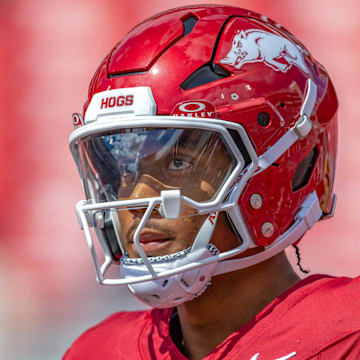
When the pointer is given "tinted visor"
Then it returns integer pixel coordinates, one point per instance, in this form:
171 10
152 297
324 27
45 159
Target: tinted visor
140 163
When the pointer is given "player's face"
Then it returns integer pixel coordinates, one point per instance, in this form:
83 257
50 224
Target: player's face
196 177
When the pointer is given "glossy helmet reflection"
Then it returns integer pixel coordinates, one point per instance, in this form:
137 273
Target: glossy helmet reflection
210 109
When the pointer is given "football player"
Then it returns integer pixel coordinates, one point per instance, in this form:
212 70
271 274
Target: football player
207 146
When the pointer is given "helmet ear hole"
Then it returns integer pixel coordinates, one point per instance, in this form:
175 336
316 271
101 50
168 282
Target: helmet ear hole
304 170
263 119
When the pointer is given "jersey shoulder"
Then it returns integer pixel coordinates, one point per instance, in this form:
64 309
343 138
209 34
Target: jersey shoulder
116 335
319 316
316 319
334 300
329 319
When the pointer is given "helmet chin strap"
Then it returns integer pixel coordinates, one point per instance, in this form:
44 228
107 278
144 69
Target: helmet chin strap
180 288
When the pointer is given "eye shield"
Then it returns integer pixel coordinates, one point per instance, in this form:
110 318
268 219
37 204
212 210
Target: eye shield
121 164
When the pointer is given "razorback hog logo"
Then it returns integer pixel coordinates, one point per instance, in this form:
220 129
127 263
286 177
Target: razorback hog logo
254 45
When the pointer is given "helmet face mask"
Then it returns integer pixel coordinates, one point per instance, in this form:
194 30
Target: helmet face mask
158 169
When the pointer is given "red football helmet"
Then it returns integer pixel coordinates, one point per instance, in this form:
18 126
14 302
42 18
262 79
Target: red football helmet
198 111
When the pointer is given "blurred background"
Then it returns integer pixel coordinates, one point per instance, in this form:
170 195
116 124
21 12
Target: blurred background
48 53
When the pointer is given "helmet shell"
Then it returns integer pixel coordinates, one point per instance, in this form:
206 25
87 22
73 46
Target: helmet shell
245 65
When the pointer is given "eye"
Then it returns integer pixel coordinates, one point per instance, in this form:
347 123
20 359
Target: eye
179 164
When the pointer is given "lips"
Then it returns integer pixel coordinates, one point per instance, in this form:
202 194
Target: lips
152 237
153 243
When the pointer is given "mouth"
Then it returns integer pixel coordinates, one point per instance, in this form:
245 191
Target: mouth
153 243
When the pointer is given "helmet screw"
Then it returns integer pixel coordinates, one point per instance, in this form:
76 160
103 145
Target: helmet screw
267 229
235 96
256 201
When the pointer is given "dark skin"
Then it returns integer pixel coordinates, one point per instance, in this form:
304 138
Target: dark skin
183 167
234 298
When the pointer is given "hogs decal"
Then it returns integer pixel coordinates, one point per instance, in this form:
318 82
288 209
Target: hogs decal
254 45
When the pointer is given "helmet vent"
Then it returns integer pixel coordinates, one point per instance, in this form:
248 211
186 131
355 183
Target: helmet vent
204 75
189 24
304 170
209 72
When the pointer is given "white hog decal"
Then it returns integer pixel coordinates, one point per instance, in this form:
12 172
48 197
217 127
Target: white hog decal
254 45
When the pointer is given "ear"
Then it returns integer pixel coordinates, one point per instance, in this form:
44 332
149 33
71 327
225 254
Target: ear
242 34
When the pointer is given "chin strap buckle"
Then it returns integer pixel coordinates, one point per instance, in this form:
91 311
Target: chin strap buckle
303 127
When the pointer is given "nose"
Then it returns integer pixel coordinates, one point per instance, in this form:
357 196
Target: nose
146 187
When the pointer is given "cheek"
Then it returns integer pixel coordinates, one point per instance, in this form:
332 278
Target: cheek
125 219
207 190
224 238
186 229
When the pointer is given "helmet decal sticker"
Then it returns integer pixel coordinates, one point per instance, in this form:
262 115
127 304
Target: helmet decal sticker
275 51
137 100
78 120
212 217
194 109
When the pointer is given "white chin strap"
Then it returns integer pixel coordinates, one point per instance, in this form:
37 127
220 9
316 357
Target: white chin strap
177 289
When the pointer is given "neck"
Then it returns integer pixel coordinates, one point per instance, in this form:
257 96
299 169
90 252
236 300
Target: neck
230 302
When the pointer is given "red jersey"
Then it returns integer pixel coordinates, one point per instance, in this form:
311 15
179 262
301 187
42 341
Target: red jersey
319 318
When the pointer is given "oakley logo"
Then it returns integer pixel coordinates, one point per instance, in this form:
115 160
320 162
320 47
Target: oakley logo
77 120
275 51
110 102
194 109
